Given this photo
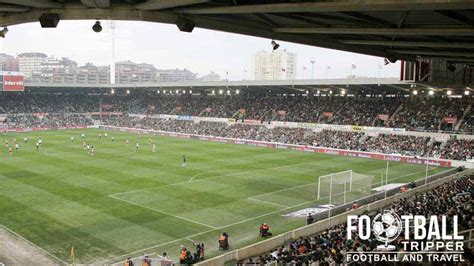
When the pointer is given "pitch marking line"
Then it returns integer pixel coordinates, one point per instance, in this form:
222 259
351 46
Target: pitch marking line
212 230
200 174
33 244
267 202
211 178
166 213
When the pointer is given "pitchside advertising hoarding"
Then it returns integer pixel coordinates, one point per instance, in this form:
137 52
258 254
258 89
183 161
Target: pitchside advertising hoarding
12 83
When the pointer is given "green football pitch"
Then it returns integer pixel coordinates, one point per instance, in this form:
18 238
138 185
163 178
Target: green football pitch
125 201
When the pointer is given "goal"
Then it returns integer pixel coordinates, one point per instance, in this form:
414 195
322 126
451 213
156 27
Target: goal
344 186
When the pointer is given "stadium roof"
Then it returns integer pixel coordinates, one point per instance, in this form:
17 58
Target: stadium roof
351 85
394 29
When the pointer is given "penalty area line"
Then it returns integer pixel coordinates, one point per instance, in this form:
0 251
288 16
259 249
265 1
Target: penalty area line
165 213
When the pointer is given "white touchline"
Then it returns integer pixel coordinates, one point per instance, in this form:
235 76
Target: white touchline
210 178
166 213
221 227
267 202
33 244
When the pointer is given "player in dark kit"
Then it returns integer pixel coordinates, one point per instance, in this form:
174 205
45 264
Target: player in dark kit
184 161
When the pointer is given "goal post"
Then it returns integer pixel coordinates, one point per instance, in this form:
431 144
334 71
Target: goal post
336 186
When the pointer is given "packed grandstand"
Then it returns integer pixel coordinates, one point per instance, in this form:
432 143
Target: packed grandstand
251 118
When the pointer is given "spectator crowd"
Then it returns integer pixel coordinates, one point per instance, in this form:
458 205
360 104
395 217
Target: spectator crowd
57 110
330 246
418 113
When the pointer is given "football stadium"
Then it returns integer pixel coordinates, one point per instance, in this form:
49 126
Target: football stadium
129 164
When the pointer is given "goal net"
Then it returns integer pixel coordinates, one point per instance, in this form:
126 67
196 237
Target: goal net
343 187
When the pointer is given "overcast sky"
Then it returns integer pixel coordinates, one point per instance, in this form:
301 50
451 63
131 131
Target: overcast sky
166 47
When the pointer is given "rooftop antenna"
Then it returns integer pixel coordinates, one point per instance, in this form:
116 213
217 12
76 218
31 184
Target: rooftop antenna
112 26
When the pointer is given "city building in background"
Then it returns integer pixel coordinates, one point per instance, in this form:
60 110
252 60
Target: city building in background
174 75
8 62
41 68
30 64
276 65
212 76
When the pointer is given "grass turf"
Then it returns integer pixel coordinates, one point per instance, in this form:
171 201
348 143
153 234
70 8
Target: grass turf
124 201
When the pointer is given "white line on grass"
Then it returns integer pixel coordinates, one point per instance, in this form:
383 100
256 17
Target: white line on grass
218 228
166 213
200 174
33 244
267 202
210 178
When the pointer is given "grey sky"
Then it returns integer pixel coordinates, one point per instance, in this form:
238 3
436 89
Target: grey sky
165 47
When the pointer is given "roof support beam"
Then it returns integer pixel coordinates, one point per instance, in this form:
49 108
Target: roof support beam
32 3
411 44
383 31
369 19
339 6
96 3
163 4
12 8
456 17
433 53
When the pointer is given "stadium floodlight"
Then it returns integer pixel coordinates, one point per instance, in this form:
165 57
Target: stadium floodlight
190 91
307 92
449 92
177 91
275 45
3 32
431 92
221 91
97 27
343 92
318 91
237 92
128 91
158 91
184 92
112 91
213 92
330 92
228 92
466 92
415 92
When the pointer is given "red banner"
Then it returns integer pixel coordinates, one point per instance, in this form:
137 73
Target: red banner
13 83
450 120
382 117
327 114
360 154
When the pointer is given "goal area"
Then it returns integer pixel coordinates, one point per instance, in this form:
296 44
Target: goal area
343 187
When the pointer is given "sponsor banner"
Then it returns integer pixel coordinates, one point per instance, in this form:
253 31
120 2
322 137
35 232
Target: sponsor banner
184 118
450 120
231 120
359 154
310 211
106 113
43 128
357 128
251 122
13 83
327 114
382 117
